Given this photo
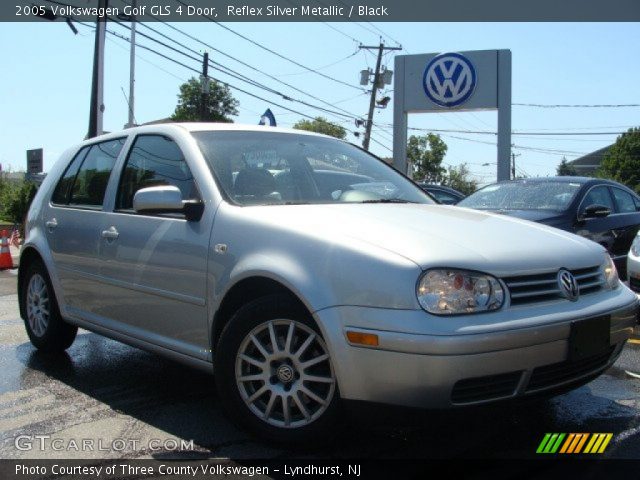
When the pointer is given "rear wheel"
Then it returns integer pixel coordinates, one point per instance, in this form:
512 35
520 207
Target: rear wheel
274 372
45 327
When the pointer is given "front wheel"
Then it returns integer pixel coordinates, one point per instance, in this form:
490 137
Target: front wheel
46 328
274 372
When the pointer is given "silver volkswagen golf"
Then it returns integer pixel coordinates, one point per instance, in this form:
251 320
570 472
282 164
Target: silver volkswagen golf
302 271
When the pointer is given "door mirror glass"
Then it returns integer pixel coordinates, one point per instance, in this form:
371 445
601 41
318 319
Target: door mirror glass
596 211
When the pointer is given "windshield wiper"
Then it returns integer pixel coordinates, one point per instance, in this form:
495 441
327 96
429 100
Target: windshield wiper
387 200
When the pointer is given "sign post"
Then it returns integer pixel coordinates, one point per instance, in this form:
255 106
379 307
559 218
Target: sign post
34 161
453 82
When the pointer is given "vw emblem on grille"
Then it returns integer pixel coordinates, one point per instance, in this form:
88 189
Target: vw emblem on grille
285 373
568 285
449 80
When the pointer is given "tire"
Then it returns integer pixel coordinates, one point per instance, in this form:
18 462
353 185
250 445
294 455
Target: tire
47 330
300 400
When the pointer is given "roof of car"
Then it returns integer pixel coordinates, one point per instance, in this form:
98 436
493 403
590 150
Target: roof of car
567 179
211 126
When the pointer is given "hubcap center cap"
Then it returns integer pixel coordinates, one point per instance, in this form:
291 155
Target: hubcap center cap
285 373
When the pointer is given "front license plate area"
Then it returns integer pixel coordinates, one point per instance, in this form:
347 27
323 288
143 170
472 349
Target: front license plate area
589 337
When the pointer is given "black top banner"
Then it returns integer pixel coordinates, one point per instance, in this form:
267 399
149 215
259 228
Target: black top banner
324 11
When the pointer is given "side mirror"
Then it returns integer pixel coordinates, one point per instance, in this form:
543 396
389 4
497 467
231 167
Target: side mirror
166 199
596 211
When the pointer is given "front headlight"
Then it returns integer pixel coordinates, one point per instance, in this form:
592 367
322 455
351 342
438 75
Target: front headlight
451 291
610 273
635 246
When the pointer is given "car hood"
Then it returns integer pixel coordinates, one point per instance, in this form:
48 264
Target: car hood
531 215
438 235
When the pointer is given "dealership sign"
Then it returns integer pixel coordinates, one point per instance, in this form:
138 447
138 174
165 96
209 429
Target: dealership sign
453 82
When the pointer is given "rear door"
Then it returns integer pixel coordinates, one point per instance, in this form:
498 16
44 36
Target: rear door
155 265
73 222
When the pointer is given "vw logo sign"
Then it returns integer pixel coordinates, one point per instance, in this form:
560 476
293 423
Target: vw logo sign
285 373
568 285
449 80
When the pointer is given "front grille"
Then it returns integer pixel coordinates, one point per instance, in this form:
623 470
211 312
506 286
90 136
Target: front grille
490 387
544 287
634 283
559 373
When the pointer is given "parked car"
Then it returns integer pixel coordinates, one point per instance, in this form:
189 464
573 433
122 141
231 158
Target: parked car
444 195
214 245
633 265
601 210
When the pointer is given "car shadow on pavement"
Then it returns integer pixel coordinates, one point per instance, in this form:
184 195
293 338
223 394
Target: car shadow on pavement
143 394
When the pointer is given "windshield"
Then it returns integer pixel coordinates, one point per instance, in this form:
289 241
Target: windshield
267 168
556 196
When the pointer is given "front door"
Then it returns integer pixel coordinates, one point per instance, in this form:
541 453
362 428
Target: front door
155 266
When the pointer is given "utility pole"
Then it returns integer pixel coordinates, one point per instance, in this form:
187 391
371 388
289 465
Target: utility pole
513 165
377 83
132 68
96 110
205 87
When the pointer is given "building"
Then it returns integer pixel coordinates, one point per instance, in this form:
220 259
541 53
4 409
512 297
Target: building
589 163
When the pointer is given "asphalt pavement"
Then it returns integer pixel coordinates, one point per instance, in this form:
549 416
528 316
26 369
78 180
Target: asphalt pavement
129 404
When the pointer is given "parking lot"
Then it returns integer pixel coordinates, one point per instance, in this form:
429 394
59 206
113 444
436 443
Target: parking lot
132 404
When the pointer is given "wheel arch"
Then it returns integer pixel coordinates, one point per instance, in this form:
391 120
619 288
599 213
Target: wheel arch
244 291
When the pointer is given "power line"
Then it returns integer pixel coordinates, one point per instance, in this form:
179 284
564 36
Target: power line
237 75
351 115
546 105
166 57
273 52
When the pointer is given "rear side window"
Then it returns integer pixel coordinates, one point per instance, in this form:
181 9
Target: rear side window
61 193
154 160
85 181
92 178
624 200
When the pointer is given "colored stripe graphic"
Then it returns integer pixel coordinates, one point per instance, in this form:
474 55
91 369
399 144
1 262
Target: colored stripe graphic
550 443
574 443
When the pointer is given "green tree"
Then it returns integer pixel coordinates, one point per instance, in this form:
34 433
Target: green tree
426 153
565 169
220 106
622 161
322 125
459 178
15 199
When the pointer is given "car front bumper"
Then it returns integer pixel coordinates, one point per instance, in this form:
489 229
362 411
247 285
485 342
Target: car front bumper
413 366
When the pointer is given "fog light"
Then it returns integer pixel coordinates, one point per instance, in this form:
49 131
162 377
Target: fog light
359 338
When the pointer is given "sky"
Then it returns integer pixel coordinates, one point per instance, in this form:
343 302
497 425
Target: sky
46 79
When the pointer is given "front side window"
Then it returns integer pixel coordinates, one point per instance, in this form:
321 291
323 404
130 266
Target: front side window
154 160
267 168
598 196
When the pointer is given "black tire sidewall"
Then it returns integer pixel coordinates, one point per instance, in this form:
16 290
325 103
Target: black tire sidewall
58 335
246 319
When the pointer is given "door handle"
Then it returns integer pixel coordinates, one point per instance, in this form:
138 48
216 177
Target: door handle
110 234
51 224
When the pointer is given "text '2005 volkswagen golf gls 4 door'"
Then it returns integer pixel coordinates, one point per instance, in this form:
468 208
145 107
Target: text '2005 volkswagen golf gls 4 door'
303 271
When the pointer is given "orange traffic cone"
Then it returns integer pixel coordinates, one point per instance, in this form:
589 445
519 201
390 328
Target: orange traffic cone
6 262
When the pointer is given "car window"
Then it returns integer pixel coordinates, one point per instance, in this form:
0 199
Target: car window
624 200
443 197
154 160
90 183
598 196
63 188
266 168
